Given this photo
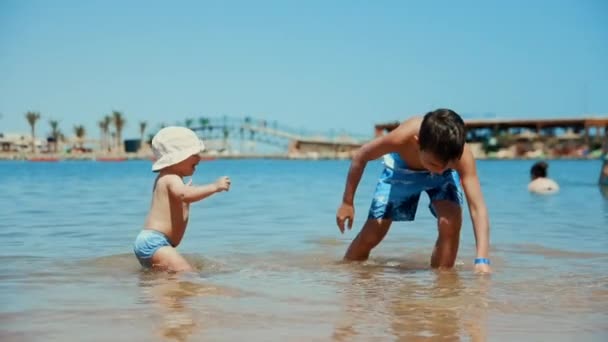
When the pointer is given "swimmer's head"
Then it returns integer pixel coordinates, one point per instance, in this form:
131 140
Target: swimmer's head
539 170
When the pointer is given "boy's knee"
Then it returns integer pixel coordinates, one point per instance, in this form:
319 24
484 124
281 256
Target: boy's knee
447 210
449 225
167 258
371 239
449 222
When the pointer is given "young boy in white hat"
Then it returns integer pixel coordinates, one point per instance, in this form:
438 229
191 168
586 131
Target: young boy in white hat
176 150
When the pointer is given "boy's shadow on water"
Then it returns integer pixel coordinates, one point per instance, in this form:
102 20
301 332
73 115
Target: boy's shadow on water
416 301
169 295
173 295
165 297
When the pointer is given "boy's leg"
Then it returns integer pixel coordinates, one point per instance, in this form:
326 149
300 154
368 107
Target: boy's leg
449 221
369 237
167 258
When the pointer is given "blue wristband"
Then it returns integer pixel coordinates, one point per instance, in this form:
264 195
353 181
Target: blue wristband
482 261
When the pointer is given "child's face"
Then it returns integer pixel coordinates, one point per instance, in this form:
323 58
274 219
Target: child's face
187 167
430 162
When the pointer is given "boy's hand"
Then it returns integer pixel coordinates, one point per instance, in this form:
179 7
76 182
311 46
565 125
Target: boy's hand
345 212
483 268
223 184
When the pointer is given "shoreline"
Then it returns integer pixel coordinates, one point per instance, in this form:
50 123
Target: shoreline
44 157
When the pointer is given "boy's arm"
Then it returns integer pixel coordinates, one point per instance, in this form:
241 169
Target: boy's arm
189 193
370 151
477 207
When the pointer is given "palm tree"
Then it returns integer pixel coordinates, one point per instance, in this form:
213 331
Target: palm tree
242 137
189 122
210 128
204 122
60 137
54 133
226 133
119 124
107 121
32 117
142 131
248 123
102 136
80 132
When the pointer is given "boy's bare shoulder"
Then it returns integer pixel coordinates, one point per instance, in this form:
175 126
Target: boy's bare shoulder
413 121
168 180
466 163
409 127
394 140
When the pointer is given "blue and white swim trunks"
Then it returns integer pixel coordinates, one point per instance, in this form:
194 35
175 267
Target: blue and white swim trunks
398 190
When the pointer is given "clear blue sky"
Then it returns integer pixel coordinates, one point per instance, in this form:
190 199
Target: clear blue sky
308 64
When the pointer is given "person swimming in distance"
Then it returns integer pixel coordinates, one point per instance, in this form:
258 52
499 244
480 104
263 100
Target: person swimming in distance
540 183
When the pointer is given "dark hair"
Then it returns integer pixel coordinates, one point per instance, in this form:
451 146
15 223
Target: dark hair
539 169
442 133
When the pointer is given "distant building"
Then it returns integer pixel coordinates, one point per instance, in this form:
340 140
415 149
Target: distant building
18 142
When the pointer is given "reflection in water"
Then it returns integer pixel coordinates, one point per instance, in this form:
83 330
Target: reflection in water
604 191
412 304
172 294
67 277
444 309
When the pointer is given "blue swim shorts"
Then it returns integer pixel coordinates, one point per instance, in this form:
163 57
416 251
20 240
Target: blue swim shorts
147 242
398 190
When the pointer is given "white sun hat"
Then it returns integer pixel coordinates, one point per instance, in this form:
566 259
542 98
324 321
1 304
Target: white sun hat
173 144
